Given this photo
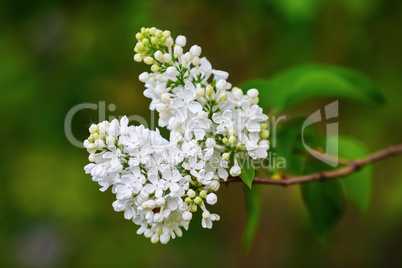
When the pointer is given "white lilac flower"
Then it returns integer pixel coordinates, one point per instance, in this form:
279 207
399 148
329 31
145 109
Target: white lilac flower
159 183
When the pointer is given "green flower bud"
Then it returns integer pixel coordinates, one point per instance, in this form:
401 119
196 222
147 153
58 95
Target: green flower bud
226 156
188 200
91 138
232 140
139 36
223 97
193 208
95 136
203 194
209 90
239 146
158 33
264 134
198 200
155 68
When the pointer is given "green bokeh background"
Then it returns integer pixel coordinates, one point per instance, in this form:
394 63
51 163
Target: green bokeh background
57 54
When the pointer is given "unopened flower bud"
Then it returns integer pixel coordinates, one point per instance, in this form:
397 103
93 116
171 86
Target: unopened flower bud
188 200
264 134
252 93
195 51
213 186
187 178
169 42
263 126
149 60
254 101
99 144
165 97
95 136
188 57
239 146
200 92
226 156
206 214
140 45
159 90
91 147
139 36
198 200
91 157
171 71
144 77
235 171
191 193
93 128
158 55
193 208
178 51
158 33
166 33
232 140
209 90
154 40
160 107
187 216
211 199
196 61
155 68
237 93
232 132
223 97
221 85
203 194
138 57
225 140
91 138
167 57
181 40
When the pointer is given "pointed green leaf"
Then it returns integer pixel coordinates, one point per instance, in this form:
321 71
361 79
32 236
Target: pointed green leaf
247 172
325 204
356 186
312 81
253 207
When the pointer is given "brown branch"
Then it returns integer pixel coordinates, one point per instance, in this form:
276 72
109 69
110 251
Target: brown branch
351 167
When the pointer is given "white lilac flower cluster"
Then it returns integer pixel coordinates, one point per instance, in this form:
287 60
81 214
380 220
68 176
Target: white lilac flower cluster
213 127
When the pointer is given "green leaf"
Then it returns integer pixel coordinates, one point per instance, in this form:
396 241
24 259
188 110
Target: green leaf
312 81
356 186
288 144
247 172
253 207
325 204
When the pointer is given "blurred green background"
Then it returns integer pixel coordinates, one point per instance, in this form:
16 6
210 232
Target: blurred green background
57 54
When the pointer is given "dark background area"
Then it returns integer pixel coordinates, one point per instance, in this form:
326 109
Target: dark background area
57 54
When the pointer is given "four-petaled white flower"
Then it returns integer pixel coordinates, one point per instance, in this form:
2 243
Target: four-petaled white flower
156 186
